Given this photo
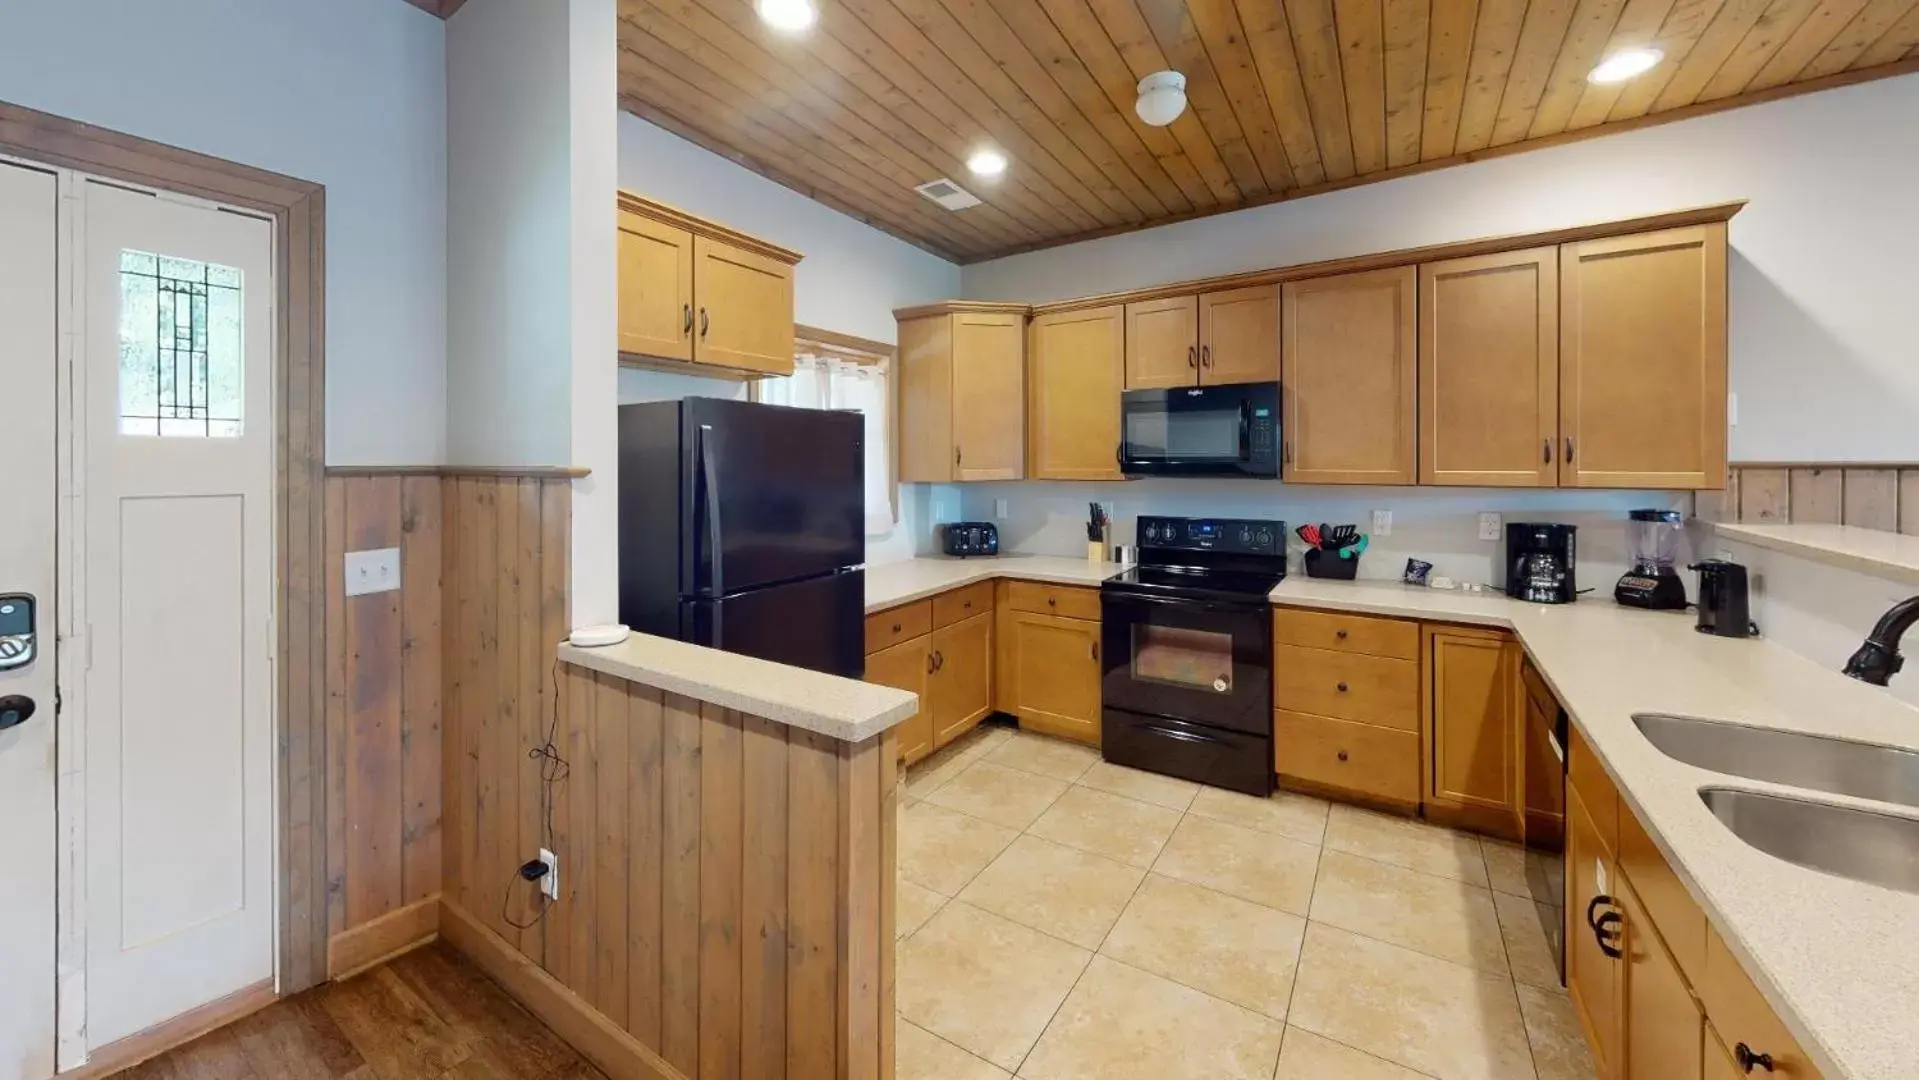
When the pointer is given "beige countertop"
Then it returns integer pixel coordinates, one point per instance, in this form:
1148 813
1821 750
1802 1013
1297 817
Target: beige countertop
844 709
1838 959
891 584
1868 551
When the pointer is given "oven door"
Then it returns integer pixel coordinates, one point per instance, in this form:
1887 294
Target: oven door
1202 661
1201 431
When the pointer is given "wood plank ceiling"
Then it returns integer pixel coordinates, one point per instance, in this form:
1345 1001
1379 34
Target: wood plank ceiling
1286 98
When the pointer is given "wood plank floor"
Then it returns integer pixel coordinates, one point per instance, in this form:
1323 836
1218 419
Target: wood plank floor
427 1015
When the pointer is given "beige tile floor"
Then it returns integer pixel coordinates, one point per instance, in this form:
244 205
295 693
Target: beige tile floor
1061 918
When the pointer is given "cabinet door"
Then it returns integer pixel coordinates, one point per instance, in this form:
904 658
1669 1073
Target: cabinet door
1075 371
926 400
1473 717
656 288
1239 335
745 316
989 397
1717 1062
907 666
1162 343
1489 370
1350 370
1643 360
962 681
1591 975
1058 675
1661 1021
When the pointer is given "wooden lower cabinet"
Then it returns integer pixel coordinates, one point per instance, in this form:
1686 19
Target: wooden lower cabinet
961 684
1366 761
908 666
1662 1024
1591 975
1056 675
1473 716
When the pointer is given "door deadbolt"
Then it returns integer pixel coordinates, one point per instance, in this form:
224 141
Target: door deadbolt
16 630
15 709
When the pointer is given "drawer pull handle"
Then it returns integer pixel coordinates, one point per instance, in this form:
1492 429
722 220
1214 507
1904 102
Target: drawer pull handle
1052 601
1342 755
1341 688
1747 1059
969 605
1340 634
896 628
929 663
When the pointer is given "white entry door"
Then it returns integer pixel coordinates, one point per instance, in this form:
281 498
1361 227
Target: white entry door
178 589
28 462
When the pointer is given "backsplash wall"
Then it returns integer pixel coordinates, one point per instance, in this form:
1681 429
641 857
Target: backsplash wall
1440 526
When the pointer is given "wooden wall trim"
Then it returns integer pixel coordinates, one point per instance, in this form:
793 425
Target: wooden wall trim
1699 215
141 1046
376 942
298 210
1883 496
699 226
962 307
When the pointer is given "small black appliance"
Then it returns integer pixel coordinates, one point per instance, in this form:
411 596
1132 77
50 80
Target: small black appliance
967 538
1652 582
1540 561
1230 430
1186 651
1725 603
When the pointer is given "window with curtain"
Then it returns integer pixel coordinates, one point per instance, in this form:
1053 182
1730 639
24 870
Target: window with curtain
824 381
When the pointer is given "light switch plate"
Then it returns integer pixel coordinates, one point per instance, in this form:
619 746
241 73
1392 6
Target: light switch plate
999 509
1599 877
374 571
1489 525
1382 523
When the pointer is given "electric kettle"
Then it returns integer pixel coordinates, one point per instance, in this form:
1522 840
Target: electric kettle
1725 607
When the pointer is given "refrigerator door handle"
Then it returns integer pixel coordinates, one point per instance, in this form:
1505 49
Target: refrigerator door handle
710 474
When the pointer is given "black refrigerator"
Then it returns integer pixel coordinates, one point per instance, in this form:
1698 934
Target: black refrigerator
743 528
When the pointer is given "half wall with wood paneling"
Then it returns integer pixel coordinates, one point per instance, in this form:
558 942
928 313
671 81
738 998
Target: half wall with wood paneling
1882 496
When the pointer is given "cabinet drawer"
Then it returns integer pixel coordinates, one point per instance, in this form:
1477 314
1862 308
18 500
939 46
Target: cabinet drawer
1347 686
1680 922
1739 1014
1340 632
1066 601
1588 777
951 607
885 629
1360 758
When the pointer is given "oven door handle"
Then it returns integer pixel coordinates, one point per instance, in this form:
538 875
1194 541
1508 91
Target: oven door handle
1245 431
1193 605
1184 736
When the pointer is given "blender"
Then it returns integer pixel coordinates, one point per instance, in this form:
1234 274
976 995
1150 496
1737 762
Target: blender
1652 582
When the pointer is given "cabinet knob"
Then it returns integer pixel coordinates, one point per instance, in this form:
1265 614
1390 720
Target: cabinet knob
1341 688
1747 1059
1340 634
1052 601
968 605
896 628
1342 755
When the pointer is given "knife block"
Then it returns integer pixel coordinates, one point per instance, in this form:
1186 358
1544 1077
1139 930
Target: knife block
1321 563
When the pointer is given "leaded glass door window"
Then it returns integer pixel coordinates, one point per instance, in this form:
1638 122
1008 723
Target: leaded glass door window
180 347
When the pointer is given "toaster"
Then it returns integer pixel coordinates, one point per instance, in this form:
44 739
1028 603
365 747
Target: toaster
965 538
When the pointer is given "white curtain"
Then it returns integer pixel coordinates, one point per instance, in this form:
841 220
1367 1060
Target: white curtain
820 382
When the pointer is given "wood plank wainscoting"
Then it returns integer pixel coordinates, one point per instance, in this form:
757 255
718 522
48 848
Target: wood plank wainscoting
1875 495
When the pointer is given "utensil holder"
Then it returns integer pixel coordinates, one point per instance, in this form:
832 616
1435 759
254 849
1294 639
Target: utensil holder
1321 563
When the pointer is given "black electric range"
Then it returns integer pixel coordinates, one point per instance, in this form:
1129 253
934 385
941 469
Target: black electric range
1187 652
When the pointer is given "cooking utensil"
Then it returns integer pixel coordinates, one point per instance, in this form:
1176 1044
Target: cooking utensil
1310 534
1354 550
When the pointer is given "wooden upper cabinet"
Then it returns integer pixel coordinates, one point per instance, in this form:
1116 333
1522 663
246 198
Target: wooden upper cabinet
1162 343
1350 372
1473 718
1489 370
1075 369
1239 335
694 291
1643 360
745 302
962 393
656 288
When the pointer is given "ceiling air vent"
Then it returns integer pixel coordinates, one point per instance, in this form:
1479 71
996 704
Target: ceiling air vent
948 194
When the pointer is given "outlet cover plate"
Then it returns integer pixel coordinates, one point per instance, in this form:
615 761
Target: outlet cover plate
1382 523
1489 525
550 884
373 571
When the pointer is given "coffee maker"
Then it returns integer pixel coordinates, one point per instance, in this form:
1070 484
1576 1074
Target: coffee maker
1652 582
1725 601
1539 562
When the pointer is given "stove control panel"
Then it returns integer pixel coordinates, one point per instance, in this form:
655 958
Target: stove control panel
1250 537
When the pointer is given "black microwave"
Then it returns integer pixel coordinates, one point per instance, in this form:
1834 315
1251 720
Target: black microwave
1201 431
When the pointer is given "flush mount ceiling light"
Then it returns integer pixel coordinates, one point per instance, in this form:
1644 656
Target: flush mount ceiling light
788 16
987 163
1625 64
1162 97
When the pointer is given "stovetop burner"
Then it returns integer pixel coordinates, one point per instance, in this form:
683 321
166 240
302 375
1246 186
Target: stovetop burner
1195 581
1206 558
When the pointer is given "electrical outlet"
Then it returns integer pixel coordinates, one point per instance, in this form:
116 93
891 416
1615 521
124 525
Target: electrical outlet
1489 525
372 571
1382 523
1732 410
999 509
550 884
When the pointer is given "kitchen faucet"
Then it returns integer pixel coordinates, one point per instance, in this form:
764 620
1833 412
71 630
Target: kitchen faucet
1878 660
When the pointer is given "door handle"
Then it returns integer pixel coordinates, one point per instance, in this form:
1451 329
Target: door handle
1569 449
1748 1060
15 709
939 660
929 663
1192 357
1206 356
1546 451
704 452
705 323
1607 924
686 318
1095 652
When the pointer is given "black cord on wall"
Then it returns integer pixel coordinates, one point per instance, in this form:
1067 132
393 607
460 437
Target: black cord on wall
553 773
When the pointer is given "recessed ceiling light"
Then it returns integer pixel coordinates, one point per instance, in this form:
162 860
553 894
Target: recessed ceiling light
987 163
790 16
1625 64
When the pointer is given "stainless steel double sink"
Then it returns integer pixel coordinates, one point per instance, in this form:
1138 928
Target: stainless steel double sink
1856 843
